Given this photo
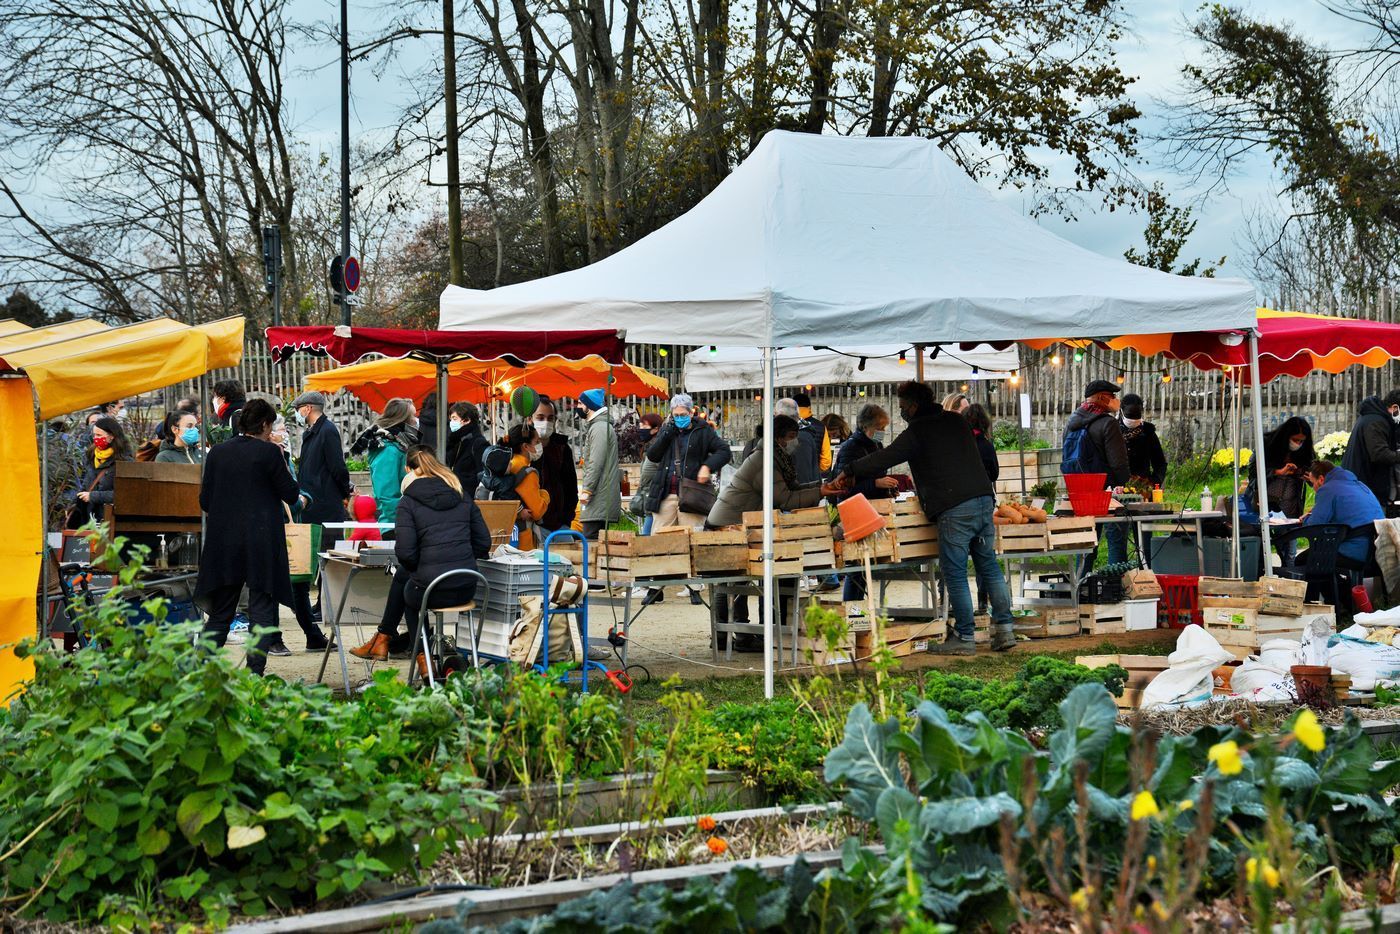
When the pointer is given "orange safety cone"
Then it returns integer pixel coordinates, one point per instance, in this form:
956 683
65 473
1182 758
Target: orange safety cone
859 518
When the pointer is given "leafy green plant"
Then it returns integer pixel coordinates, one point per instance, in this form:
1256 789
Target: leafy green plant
1010 436
774 745
147 777
356 464
1030 701
1046 490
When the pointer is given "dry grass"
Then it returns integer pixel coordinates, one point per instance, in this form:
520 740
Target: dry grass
1255 717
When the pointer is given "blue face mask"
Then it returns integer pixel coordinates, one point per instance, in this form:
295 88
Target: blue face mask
190 436
454 425
878 435
682 421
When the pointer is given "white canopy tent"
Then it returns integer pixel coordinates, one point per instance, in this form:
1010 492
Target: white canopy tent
818 240
722 368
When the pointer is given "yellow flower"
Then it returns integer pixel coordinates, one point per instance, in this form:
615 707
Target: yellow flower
1186 805
1144 806
1151 863
1080 899
1160 910
1255 869
1309 732
1226 757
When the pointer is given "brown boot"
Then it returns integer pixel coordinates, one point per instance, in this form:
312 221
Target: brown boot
376 649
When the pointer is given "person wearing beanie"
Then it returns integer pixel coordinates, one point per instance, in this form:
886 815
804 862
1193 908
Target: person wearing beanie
386 444
684 449
600 483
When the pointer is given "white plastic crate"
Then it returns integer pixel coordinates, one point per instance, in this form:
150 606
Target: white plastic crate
1140 614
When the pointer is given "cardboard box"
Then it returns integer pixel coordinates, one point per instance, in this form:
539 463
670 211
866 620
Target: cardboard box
1141 584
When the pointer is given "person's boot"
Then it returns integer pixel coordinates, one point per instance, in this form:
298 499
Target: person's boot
316 641
954 646
401 645
1003 640
376 649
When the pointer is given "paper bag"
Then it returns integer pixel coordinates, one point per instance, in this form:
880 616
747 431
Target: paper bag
303 543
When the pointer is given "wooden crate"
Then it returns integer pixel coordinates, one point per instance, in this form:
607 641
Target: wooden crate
808 529
1141 670
628 556
1070 533
843 653
880 546
1103 619
787 558
1233 626
1027 539
1282 596
981 629
915 536
152 496
814 516
1229 587
1232 603
1061 621
901 635
724 551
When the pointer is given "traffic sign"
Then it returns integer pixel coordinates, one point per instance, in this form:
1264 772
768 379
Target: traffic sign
352 274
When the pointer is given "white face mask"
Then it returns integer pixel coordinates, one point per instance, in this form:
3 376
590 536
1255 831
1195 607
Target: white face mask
535 452
1132 422
877 435
792 446
543 427
1295 445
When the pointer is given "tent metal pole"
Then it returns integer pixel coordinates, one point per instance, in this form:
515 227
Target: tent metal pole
919 362
1235 430
768 594
43 527
442 406
1261 473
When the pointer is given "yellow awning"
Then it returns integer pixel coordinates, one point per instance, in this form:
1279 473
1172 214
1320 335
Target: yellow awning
11 326
72 366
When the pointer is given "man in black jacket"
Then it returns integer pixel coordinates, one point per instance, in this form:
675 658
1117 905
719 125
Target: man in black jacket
954 491
322 471
1371 453
1093 443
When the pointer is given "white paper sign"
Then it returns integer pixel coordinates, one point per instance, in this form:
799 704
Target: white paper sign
1025 410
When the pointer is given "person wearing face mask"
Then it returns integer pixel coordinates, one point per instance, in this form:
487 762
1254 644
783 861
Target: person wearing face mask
96 486
872 426
526 449
1371 453
1146 461
954 491
558 475
179 442
386 444
229 399
744 493
1288 453
684 449
600 492
465 446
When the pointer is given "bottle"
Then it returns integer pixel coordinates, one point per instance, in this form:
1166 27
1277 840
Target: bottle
163 558
1157 493
1207 501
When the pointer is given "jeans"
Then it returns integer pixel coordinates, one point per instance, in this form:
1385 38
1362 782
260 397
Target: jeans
301 608
966 530
591 528
853 588
262 621
1117 535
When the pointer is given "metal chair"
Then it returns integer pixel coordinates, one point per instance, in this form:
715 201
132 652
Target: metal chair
469 609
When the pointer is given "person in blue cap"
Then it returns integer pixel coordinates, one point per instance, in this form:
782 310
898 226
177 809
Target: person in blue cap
600 483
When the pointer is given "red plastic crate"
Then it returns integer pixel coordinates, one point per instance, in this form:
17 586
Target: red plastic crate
1090 504
1180 603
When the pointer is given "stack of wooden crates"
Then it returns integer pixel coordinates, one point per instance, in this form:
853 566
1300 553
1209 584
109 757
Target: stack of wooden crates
802 541
1242 615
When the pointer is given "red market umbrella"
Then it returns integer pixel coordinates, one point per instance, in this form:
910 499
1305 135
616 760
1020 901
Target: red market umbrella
347 344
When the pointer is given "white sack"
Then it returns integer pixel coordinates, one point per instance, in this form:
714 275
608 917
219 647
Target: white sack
1366 662
1188 678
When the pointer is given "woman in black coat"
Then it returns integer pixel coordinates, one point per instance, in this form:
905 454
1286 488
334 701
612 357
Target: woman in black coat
435 531
1145 458
244 494
109 444
981 424
691 445
1288 454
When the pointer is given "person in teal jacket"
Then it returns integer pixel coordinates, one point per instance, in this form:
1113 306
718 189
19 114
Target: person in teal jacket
386 444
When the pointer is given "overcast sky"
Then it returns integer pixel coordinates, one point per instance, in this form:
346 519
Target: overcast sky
1154 52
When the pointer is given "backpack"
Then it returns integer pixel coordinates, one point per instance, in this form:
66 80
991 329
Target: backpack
496 478
1078 454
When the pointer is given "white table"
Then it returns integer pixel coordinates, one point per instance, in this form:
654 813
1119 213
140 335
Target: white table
350 594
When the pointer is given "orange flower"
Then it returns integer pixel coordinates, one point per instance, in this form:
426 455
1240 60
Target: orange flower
706 823
717 846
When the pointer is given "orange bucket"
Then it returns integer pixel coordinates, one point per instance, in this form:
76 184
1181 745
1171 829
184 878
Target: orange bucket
858 518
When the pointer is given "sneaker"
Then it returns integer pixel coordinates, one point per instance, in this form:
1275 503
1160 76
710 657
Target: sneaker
596 654
954 646
278 648
316 642
654 596
829 584
238 630
639 593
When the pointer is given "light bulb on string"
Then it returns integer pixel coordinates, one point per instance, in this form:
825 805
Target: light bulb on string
1122 377
714 349
1078 355
963 388
1055 359
902 358
861 393
861 364
933 354
1015 379
662 352
1166 376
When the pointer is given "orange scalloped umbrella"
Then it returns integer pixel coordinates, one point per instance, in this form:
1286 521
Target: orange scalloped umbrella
481 381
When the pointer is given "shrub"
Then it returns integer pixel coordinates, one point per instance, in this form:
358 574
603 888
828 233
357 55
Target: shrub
146 777
774 744
1030 701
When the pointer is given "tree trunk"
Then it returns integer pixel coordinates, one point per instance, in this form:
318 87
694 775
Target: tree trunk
714 36
538 149
760 104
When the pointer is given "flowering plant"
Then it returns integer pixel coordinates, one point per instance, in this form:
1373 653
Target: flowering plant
1225 457
1332 446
